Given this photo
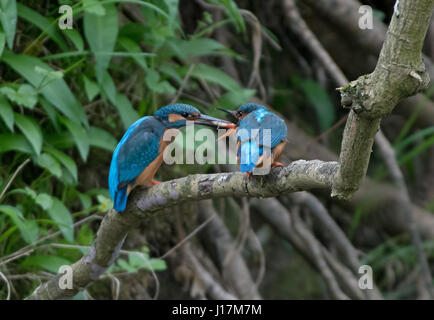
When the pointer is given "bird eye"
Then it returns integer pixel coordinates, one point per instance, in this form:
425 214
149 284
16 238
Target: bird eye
185 114
239 113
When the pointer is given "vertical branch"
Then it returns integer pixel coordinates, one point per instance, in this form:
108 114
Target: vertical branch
400 73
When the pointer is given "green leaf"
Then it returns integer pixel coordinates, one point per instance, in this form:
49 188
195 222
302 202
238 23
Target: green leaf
46 161
101 32
49 75
421 147
126 266
65 160
86 200
169 69
91 88
31 131
153 82
380 15
75 38
85 235
126 111
44 201
51 112
6 113
101 139
60 214
142 261
132 47
157 264
94 7
30 192
105 203
25 96
8 19
15 142
196 47
119 101
138 260
109 87
232 12
417 136
26 191
56 91
2 41
80 137
46 25
321 102
28 228
235 98
46 262
215 75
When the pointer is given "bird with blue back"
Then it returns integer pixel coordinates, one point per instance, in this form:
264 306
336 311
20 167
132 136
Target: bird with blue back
253 148
139 154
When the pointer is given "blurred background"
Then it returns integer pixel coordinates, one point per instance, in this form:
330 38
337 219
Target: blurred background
67 96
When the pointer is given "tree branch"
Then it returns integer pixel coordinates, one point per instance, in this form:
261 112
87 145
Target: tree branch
299 175
219 243
400 73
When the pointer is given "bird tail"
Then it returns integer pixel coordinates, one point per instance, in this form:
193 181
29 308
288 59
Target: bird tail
249 155
120 199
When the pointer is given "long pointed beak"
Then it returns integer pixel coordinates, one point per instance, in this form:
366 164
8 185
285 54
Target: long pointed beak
213 122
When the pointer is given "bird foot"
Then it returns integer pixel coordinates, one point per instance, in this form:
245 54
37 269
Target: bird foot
277 164
155 182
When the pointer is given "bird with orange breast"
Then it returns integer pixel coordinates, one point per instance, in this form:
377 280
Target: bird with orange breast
139 154
254 149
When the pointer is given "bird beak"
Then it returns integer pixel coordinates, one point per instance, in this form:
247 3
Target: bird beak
213 122
231 112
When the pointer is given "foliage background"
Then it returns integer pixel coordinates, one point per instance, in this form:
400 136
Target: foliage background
67 96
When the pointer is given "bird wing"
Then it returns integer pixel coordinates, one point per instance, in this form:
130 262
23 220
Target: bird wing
136 150
277 126
136 154
267 120
251 149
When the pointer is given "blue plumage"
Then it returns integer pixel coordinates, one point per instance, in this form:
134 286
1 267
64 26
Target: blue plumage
136 150
248 155
141 145
254 122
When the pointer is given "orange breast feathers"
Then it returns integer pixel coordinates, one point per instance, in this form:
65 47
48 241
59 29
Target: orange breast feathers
146 177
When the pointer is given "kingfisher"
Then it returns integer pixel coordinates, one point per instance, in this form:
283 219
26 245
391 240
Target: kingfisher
139 154
252 148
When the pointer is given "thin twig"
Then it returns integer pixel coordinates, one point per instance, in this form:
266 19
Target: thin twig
242 234
13 177
261 272
7 284
316 251
321 215
31 247
213 288
116 285
188 237
183 84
